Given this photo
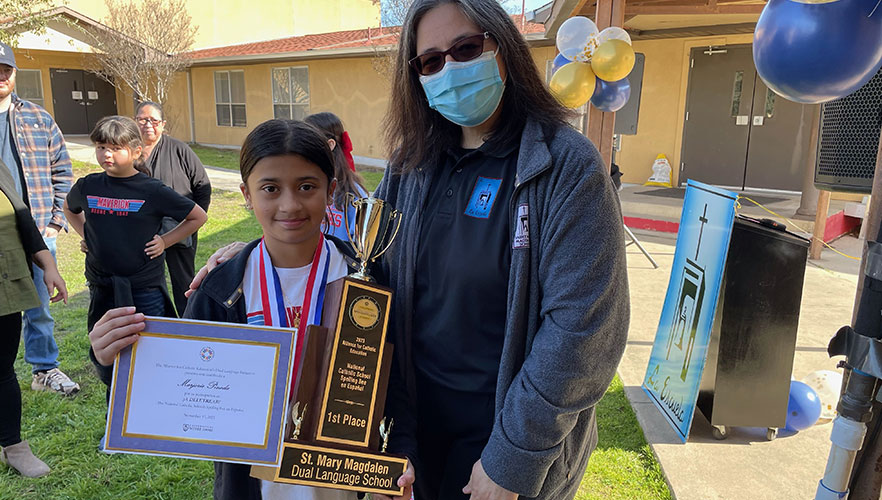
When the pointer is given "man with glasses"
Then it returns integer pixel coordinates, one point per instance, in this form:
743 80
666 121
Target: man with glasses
178 167
32 147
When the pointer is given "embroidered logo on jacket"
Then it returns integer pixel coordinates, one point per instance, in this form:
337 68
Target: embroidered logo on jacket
522 227
483 196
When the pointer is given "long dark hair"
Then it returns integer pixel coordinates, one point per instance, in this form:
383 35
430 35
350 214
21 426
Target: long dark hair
285 137
120 131
415 133
347 180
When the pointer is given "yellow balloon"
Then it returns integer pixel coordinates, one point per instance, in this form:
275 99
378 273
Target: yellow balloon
613 60
573 84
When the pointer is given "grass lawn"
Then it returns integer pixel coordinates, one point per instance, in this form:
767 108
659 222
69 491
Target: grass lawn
229 159
65 431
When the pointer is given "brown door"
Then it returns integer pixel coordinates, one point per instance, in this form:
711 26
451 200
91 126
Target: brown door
739 134
68 99
100 98
780 133
80 99
718 107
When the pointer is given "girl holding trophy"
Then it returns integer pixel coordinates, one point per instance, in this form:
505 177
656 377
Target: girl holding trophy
287 181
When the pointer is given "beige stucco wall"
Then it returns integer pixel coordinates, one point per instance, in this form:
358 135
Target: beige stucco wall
227 22
351 88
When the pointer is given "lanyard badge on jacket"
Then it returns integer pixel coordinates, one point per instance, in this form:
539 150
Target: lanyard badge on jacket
466 93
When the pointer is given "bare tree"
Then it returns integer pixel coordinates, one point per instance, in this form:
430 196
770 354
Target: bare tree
145 47
22 16
393 13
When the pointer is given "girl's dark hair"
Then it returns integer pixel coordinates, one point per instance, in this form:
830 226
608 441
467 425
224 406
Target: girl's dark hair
285 137
347 180
154 105
120 131
415 133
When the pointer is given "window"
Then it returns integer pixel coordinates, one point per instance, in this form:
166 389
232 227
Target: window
229 98
29 85
291 93
737 87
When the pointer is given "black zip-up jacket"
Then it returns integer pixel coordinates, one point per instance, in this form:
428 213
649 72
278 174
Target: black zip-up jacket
219 298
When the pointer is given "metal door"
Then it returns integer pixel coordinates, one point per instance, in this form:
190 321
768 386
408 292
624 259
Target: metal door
780 133
100 98
718 111
68 99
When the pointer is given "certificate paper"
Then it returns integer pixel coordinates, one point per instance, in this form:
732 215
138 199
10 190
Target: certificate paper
203 390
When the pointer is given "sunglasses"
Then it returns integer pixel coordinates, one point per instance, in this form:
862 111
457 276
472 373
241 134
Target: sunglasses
464 50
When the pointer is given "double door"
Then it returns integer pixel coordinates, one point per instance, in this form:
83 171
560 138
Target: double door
80 99
738 133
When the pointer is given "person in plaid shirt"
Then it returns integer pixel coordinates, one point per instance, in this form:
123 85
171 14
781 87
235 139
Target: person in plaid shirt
32 147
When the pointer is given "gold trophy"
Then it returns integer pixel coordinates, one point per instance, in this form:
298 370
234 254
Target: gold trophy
344 376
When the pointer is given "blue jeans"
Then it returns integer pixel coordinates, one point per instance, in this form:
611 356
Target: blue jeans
40 349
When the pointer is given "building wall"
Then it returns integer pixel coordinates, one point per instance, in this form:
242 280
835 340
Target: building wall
663 104
228 22
351 88
43 60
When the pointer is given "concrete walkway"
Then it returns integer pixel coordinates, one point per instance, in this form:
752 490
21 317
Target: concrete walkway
81 149
745 466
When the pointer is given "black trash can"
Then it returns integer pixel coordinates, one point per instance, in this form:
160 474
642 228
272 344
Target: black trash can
746 380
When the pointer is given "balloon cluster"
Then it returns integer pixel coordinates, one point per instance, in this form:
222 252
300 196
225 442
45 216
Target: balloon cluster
592 65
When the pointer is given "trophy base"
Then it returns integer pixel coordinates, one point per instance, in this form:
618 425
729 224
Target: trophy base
310 464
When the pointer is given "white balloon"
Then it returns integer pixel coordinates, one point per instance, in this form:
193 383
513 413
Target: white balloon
575 38
828 384
613 33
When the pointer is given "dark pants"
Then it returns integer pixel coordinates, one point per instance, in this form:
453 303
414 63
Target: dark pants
150 301
10 394
180 261
452 429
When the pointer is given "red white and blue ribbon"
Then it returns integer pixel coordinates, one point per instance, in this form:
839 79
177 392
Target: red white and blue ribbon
272 298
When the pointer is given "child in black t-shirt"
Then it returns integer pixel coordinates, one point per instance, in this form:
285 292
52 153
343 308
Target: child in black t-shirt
119 212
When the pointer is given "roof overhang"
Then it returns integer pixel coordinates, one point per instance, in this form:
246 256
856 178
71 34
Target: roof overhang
654 19
533 39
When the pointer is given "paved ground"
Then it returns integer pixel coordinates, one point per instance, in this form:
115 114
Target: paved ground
745 466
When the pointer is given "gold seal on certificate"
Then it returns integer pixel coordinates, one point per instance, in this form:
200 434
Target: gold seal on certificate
338 434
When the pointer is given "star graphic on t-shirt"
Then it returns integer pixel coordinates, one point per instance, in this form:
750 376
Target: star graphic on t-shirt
111 212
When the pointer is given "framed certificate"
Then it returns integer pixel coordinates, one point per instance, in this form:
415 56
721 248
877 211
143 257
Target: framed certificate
202 390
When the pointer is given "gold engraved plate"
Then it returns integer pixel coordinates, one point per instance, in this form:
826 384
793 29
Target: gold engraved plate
365 312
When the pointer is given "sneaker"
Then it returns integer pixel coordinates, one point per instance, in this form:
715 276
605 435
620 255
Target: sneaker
56 381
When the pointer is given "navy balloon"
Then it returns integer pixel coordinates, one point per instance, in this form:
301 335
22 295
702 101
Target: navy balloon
559 62
611 96
816 52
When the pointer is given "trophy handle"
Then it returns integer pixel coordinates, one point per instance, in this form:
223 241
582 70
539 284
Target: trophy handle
397 216
350 201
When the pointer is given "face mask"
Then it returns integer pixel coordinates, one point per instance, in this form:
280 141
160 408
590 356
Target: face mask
466 93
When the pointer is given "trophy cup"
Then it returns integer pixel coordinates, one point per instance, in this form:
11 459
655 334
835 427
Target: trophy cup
338 434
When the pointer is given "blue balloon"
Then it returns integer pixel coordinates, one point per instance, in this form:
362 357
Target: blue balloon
611 96
558 63
814 53
803 408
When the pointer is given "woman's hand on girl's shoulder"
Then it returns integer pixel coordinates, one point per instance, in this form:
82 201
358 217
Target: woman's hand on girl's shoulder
116 330
222 255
